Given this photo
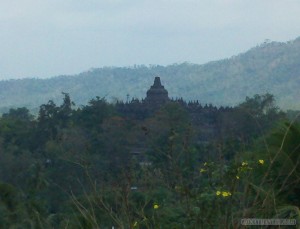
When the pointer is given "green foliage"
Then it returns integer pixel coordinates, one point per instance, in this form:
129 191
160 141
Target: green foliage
92 167
284 164
249 120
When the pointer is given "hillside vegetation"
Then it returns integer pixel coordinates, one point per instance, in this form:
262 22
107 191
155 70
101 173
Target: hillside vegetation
95 167
272 67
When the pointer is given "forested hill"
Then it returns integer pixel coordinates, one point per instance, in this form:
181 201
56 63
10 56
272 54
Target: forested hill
272 67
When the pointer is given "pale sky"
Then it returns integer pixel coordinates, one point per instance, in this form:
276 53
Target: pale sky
44 38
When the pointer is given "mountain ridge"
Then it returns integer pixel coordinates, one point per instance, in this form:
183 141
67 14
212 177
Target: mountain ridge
272 67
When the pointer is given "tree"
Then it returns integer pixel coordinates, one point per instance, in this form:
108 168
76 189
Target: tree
16 128
19 114
251 119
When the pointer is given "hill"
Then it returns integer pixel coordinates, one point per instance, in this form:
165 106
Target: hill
272 67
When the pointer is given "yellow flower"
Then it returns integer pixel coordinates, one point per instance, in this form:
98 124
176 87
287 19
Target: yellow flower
244 163
261 161
202 170
237 177
225 194
155 206
218 193
135 224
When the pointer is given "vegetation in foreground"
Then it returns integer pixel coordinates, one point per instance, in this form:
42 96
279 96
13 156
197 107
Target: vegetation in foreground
79 168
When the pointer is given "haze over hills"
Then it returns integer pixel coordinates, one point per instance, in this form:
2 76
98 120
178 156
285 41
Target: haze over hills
272 67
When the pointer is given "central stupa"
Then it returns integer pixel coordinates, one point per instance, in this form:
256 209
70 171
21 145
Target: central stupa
157 94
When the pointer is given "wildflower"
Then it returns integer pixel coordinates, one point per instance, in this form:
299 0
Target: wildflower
155 206
261 161
202 170
218 193
244 163
226 194
237 177
135 224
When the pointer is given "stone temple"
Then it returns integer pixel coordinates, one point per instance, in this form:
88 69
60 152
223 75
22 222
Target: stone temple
157 94
206 119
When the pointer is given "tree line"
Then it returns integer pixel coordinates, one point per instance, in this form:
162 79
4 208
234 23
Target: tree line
99 167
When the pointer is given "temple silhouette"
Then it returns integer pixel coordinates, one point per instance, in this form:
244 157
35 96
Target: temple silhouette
206 118
157 95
